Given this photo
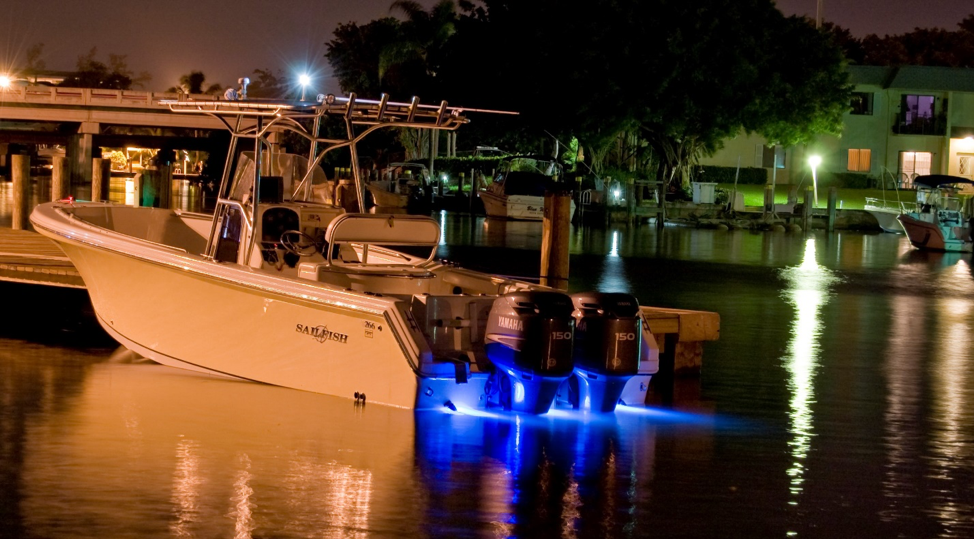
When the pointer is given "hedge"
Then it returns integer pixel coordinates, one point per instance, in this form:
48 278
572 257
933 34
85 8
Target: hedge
748 175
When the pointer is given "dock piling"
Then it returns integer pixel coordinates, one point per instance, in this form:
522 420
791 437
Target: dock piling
554 239
20 174
60 178
807 209
833 196
100 177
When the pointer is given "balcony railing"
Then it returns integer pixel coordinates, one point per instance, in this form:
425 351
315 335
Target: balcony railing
920 126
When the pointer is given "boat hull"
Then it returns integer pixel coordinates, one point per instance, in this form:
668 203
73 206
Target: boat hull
515 207
926 235
236 322
887 220
386 199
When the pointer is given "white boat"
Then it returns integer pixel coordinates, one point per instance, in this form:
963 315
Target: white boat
938 223
886 212
403 186
281 286
518 190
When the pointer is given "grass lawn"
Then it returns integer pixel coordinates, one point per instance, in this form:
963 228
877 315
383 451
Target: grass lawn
851 199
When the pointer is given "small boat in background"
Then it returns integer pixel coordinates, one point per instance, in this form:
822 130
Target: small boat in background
403 185
886 213
519 188
939 222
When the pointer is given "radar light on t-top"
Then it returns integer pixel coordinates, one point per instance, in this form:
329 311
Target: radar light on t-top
814 161
304 80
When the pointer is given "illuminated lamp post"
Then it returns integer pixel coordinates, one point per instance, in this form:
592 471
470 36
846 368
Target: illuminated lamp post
814 161
304 80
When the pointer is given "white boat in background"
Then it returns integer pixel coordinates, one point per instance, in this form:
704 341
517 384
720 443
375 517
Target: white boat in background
404 186
518 190
886 213
281 286
939 223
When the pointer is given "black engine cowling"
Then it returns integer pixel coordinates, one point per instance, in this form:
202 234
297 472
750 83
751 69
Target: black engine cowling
608 342
532 331
608 332
529 340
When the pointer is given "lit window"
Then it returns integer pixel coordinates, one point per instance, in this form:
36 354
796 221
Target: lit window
860 160
917 108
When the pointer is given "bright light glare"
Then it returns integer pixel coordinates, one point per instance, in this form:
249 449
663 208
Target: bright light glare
814 161
304 79
4 81
616 193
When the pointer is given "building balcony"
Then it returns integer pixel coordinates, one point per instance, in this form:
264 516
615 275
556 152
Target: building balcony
920 126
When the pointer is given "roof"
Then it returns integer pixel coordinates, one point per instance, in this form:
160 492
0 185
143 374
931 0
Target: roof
943 79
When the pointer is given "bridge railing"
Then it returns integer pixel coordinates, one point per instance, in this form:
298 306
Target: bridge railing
56 95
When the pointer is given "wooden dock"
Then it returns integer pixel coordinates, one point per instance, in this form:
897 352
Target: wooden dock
680 335
28 257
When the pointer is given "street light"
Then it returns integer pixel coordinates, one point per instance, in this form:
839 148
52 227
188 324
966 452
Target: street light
4 82
814 161
304 80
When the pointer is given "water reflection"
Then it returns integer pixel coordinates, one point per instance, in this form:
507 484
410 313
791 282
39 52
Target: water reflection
614 278
581 477
807 289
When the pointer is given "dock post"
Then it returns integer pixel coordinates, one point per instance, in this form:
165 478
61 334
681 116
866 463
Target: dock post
833 196
20 174
768 201
165 184
60 178
99 179
554 239
807 209
661 203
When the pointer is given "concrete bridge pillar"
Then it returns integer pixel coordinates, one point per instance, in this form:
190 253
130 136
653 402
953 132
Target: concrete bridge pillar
80 152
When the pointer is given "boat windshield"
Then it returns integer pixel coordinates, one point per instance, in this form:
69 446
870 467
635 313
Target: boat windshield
289 167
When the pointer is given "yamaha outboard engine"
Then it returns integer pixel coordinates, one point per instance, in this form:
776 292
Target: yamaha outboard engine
529 341
608 341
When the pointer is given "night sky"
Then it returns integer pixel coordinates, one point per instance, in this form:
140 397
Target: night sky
227 40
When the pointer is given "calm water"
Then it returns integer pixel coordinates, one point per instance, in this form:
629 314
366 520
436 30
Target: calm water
839 402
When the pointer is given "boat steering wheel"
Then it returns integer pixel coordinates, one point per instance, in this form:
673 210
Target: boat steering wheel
299 243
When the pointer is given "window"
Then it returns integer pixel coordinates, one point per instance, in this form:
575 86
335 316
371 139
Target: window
965 165
862 103
769 156
913 164
860 160
917 108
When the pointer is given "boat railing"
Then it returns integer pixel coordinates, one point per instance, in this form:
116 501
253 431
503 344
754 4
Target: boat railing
889 205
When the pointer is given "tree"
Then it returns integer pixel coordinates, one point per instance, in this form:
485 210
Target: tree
35 63
682 74
193 83
354 57
922 46
92 73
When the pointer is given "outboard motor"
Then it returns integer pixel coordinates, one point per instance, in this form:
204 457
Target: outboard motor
529 341
608 342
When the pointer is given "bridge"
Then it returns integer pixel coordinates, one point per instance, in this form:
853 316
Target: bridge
83 119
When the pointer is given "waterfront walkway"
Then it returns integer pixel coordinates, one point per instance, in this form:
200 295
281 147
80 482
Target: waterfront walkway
28 257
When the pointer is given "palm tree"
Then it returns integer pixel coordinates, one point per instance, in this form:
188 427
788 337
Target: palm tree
424 34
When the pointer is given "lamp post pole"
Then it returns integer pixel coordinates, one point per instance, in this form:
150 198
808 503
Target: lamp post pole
814 161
